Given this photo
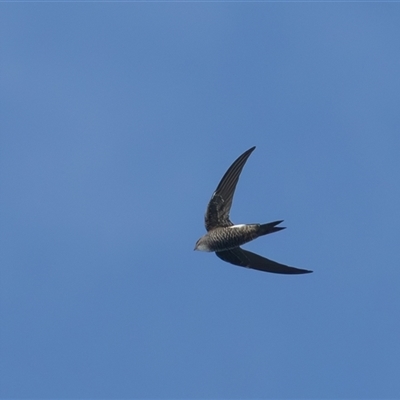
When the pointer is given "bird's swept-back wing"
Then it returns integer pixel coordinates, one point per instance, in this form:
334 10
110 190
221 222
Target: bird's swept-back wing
217 214
243 258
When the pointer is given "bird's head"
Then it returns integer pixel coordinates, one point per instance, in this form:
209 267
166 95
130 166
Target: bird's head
202 244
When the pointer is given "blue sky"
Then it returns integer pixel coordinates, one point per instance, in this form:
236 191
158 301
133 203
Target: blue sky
118 121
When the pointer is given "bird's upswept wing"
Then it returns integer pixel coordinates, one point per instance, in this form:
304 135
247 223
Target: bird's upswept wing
217 213
244 258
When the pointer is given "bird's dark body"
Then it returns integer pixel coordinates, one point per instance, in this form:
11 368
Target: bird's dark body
220 239
227 238
224 238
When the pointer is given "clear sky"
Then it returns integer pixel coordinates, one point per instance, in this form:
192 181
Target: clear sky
117 122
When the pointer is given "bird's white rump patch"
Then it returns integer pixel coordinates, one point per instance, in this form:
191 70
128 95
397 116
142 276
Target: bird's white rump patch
237 226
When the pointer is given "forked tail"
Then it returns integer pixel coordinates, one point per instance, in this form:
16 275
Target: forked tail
270 227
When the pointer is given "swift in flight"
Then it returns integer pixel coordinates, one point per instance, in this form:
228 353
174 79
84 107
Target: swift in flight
224 238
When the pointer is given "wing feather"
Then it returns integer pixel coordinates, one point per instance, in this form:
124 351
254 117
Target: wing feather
218 209
244 258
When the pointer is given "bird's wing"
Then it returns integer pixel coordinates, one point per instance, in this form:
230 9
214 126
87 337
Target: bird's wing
243 258
217 213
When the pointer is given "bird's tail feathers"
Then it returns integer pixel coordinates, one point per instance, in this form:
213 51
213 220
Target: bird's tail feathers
271 227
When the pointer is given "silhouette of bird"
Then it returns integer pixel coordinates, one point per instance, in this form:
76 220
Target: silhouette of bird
224 238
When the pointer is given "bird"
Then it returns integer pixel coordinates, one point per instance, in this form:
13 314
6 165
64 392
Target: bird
225 238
